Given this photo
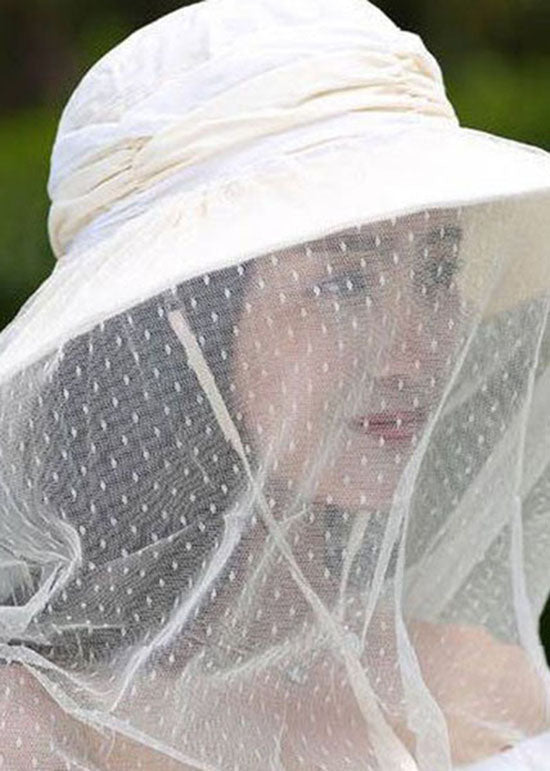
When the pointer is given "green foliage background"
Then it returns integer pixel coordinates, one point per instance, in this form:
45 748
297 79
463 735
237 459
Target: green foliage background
495 57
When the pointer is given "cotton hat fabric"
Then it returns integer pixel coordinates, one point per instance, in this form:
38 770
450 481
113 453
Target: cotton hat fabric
274 433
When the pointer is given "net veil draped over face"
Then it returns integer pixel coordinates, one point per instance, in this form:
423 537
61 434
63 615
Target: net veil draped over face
275 433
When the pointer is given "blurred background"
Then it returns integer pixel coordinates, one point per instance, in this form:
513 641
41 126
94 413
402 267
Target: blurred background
495 56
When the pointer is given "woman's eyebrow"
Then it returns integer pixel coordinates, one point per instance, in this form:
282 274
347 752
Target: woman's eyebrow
355 242
444 231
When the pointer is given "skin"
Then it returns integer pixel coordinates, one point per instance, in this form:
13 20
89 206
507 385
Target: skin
34 718
309 342
376 325
370 325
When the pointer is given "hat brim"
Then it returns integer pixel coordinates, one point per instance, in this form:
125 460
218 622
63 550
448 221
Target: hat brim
502 186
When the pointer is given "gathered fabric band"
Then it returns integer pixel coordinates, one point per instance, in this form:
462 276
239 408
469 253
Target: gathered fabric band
130 156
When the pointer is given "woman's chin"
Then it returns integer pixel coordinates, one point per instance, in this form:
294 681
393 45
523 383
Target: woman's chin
358 491
349 484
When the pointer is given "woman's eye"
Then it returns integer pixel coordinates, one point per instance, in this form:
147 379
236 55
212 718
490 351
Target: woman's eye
442 272
449 234
342 285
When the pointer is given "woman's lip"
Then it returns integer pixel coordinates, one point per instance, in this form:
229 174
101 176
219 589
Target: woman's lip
402 424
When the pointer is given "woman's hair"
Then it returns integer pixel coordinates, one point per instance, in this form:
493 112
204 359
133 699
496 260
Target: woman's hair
132 463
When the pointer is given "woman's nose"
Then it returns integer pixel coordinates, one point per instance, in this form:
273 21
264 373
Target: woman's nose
407 344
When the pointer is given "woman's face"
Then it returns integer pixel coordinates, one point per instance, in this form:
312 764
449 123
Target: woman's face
343 349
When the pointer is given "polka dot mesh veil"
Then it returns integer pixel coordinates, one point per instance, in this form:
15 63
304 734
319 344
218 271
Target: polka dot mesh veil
274 435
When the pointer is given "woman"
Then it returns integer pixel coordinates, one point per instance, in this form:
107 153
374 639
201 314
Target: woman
274 431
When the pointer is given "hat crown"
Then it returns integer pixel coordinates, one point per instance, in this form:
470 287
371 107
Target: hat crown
276 65
186 39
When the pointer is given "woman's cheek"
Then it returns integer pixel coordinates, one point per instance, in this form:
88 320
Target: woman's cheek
279 379
283 418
